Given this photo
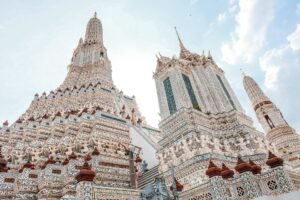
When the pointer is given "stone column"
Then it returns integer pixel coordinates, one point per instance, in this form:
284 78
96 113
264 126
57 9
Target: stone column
250 185
84 190
282 178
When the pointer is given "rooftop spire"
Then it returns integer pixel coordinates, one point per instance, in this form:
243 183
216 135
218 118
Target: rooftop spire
183 51
242 72
93 32
210 57
179 39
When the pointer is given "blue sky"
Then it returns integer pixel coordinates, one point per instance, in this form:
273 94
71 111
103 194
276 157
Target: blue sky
262 37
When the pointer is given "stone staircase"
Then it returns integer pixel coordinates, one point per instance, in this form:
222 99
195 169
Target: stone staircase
148 177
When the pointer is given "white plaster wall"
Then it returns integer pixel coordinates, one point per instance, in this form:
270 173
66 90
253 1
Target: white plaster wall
148 151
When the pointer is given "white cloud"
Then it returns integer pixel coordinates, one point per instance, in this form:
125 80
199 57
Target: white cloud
229 13
141 86
232 8
252 21
231 2
294 38
275 59
193 1
270 65
281 69
222 17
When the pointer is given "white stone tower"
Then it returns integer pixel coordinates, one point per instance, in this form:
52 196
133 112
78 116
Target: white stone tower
202 119
279 133
82 136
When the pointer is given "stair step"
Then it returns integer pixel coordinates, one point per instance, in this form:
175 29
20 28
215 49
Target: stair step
148 177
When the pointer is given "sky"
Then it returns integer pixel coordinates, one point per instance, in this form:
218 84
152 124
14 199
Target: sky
262 37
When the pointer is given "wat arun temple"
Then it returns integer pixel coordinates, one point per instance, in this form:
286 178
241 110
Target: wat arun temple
87 140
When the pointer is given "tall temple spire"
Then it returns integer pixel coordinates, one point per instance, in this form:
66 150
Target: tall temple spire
94 32
183 51
91 55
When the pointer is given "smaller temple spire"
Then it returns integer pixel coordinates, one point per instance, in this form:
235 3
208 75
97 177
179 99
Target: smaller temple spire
179 39
95 14
183 51
209 55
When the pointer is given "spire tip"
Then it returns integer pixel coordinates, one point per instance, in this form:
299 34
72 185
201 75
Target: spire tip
177 34
182 48
242 72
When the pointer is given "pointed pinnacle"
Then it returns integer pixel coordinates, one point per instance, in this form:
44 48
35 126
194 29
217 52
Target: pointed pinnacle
179 39
80 40
242 72
95 15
